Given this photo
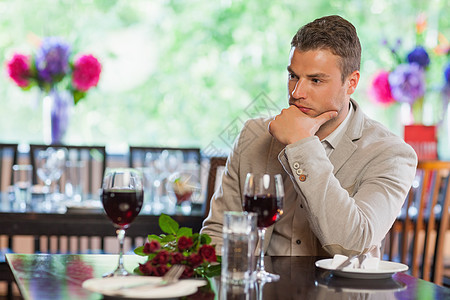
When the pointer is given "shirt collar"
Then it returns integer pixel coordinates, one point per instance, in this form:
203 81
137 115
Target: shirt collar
334 137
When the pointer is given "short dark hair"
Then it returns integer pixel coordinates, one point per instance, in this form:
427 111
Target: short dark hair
332 33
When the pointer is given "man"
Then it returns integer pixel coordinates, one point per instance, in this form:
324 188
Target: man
345 175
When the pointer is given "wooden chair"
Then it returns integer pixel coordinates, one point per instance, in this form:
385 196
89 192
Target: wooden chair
420 230
216 168
8 158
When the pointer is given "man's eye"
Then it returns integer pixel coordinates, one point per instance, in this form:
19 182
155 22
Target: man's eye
315 80
291 76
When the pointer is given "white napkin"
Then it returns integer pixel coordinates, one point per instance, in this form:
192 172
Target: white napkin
370 263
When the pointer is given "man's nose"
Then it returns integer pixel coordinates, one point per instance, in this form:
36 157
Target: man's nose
299 90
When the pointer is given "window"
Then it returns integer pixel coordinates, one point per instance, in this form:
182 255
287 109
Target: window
185 73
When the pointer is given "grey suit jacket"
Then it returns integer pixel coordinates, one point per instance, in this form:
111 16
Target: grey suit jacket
347 202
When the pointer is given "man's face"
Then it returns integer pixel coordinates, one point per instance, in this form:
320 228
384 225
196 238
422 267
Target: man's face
315 84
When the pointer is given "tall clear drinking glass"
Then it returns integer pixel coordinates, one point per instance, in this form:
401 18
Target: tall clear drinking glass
264 195
122 198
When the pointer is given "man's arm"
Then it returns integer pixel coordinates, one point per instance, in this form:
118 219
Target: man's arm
351 214
226 198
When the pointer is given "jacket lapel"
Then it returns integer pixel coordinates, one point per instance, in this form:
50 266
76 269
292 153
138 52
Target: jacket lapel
346 146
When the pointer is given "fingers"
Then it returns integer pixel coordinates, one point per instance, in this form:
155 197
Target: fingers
326 116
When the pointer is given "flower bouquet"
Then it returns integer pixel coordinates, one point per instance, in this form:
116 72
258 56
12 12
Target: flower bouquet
52 66
62 78
178 245
406 82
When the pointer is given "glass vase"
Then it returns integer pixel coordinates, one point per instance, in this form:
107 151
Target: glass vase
56 109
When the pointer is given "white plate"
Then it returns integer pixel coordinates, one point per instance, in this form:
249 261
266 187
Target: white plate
109 287
84 206
385 270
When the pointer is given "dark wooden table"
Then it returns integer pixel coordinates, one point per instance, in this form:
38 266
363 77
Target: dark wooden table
76 223
81 222
58 276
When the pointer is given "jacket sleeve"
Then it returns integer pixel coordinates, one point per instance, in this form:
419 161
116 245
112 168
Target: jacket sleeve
348 219
227 197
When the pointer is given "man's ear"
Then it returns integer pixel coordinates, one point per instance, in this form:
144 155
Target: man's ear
353 80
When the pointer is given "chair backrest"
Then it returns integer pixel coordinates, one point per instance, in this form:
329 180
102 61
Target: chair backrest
93 157
216 168
8 158
421 227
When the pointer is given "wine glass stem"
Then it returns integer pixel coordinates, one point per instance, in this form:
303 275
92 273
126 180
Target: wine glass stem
121 238
261 234
48 196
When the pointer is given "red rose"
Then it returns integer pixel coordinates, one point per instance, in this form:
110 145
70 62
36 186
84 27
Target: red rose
161 270
188 272
151 247
208 253
161 258
19 69
147 268
176 258
185 243
195 260
86 72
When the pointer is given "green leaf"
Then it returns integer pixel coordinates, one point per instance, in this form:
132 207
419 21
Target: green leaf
167 224
205 239
213 270
137 271
184 231
140 251
168 239
152 237
78 95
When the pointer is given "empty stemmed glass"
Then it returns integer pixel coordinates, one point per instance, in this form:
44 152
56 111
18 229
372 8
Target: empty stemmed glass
264 195
122 198
50 166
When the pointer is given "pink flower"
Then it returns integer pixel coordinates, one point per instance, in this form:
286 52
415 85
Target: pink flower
195 260
188 272
86 72
185 243
380 89
19 69
160 270
176 258
146 268
208 253
161 258
151 247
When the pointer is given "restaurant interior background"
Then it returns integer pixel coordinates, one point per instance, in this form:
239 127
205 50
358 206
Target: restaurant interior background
189 73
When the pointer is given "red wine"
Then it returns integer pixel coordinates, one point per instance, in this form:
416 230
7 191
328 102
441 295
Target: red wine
265 206
123 205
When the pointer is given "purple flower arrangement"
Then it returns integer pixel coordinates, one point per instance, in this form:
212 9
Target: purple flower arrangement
406 81
51 66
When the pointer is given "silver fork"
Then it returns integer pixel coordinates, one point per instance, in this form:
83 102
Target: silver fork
170 277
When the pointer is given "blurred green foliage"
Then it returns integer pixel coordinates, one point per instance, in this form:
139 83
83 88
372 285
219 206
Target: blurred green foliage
179 73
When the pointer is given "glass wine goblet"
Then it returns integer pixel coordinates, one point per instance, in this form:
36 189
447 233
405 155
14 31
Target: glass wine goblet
122 198
50 166
264 195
